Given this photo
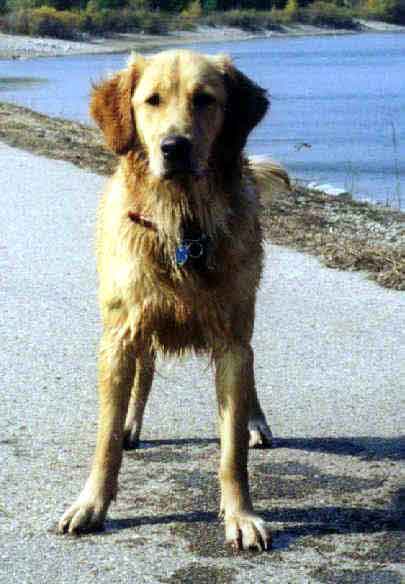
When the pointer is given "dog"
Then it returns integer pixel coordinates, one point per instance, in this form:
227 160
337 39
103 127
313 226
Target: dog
179 255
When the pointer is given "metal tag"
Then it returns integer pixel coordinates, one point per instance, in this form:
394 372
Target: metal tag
181 255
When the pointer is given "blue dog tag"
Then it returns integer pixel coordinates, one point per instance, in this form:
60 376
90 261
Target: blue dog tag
181 255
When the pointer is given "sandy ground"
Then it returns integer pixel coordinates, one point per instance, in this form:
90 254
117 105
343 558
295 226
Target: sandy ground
19 46
330 369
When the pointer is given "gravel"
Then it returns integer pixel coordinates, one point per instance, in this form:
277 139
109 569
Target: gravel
330 366
24 47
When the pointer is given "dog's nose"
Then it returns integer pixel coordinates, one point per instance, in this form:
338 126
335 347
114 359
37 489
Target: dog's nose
176 148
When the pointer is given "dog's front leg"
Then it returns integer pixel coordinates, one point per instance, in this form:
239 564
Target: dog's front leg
235 387
116 371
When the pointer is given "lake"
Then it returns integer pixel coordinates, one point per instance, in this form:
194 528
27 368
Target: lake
338 103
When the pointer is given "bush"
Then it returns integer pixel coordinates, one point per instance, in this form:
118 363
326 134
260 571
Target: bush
193 10
291 10
154 22
327 14
18 5
386 10
103 21
44 21
47 21
250 20
140 5
245 19
18 22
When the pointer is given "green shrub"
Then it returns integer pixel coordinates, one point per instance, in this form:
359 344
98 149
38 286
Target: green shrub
140 5
154 22
103 21
278 16
18 22
291 10
193 10
387 10
250 20
245 19
47 21
44 21
327 14
18 5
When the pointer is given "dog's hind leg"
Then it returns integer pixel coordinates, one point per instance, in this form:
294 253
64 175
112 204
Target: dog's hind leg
235 387
145 367
116 371
260 435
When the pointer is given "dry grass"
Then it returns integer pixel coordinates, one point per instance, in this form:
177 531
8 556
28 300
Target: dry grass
55 138
345 234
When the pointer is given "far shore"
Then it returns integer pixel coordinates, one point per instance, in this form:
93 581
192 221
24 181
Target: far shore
26 47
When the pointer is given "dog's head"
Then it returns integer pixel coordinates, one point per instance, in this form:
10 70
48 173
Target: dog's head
181 108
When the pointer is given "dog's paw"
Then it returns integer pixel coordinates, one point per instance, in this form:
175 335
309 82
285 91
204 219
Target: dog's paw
260 435
84 516
247 531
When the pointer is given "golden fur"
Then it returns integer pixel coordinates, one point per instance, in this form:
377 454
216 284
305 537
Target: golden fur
149 303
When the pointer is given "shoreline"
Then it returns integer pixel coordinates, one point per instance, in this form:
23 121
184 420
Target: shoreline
26 47
343 233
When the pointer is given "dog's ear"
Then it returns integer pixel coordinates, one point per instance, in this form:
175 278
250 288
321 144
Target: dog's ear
111 108
246 105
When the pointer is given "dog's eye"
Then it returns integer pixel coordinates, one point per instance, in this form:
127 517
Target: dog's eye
154 99
201 100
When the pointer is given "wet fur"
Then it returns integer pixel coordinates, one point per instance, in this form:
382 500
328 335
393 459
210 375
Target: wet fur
149 304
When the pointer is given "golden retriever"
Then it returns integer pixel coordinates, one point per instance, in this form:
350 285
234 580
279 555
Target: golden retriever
179 261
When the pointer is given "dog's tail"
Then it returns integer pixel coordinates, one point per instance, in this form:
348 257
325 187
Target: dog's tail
270 176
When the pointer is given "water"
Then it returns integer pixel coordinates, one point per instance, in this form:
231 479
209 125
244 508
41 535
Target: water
337 113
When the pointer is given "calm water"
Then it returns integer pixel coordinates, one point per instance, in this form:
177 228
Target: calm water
338 103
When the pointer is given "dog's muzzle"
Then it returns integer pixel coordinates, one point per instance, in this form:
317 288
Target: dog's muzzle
176 152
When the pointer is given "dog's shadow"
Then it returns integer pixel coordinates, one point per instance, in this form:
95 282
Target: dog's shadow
365 447
316 521
313 521
147 444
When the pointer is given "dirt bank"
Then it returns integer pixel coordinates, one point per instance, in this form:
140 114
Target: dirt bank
346 234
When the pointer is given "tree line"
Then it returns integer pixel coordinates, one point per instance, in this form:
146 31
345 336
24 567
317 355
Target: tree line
176 6
71 18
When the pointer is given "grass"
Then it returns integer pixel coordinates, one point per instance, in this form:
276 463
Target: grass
344 233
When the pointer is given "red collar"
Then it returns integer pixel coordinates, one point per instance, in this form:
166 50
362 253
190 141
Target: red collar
141 220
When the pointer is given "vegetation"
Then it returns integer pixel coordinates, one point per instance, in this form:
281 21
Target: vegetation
72 18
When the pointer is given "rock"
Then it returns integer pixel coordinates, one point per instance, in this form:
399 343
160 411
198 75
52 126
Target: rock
328 189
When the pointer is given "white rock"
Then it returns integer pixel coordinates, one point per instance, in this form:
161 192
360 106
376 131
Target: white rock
328 189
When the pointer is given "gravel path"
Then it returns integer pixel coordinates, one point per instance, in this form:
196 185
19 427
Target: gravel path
330 366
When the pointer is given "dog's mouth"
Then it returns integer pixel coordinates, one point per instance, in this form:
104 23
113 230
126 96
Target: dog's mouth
179 171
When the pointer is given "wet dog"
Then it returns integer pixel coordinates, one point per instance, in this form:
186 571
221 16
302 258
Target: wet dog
179 261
